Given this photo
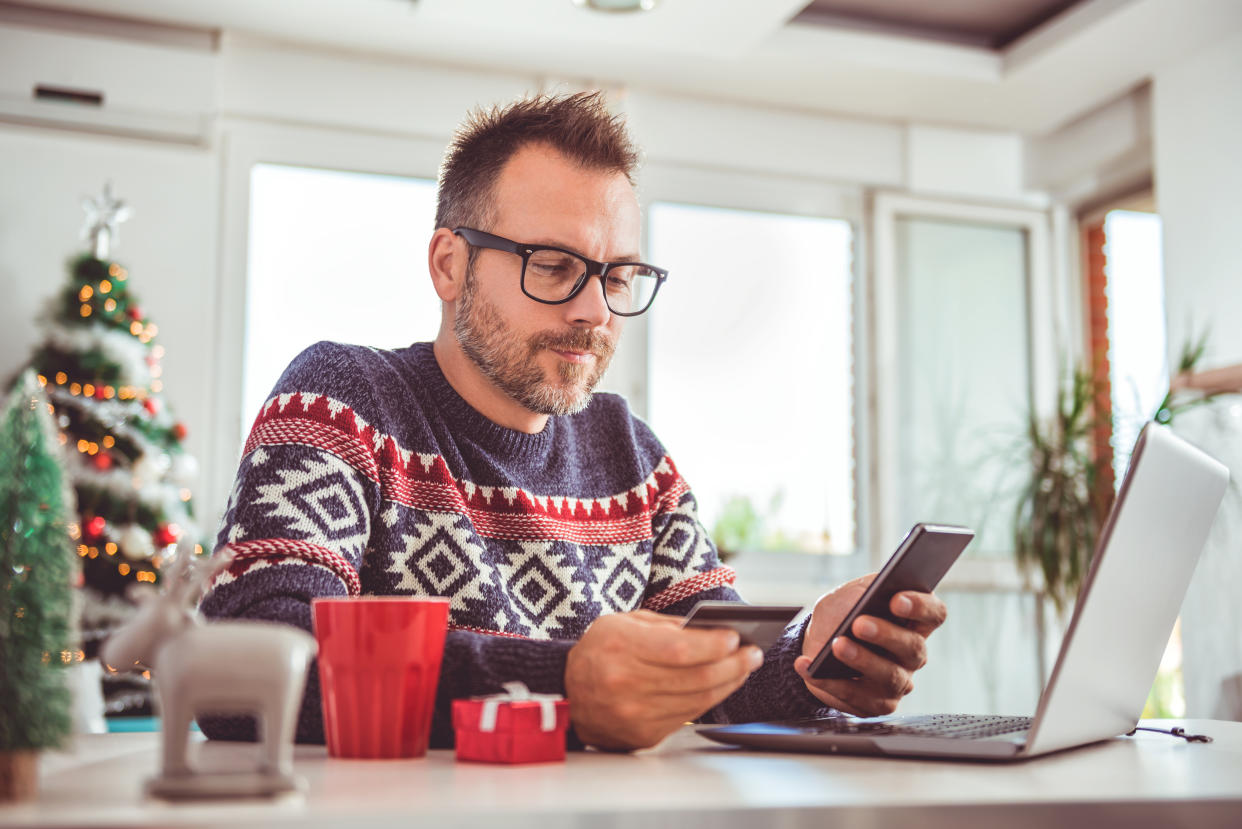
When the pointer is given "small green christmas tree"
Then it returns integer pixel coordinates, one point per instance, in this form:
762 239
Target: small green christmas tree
37 569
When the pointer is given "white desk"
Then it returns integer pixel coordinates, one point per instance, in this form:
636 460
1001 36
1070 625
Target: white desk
1148 780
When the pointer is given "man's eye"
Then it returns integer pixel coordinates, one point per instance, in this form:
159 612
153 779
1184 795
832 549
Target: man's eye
561 266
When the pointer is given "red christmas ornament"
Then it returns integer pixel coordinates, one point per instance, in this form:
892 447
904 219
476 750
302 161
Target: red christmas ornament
134 313
100 393
94 528
151 405
179 431
166 534
102 461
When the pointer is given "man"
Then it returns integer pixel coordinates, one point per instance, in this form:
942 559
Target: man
481 467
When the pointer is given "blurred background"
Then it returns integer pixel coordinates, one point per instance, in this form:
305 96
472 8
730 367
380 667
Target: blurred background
896 230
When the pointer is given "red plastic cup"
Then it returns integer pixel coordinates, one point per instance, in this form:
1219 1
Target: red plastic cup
379 662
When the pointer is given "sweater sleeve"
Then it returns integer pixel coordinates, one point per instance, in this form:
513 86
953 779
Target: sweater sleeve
686 569
299 520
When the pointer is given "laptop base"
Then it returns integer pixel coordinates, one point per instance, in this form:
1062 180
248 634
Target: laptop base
956 736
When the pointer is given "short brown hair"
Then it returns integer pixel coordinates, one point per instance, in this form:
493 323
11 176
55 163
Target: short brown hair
579 126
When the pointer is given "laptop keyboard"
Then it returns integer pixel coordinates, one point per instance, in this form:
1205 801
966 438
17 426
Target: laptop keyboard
955 726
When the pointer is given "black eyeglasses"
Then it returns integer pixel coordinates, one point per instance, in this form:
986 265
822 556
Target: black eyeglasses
554 275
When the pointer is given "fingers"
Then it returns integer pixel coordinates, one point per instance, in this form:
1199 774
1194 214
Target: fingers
706 678
667 645
889 679
907 647
688 693
923 612
878 691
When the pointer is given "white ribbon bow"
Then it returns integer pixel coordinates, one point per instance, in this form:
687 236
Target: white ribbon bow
518 692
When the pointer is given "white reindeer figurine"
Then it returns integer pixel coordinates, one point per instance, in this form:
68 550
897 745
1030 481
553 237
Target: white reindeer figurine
236 667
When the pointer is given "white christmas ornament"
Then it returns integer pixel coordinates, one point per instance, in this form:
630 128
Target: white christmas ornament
150 468
184 470
136 543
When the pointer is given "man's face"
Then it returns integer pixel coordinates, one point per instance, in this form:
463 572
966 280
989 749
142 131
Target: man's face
548 358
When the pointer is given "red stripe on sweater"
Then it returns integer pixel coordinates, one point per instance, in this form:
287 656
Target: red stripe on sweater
469 629
689 587
424 482
273 548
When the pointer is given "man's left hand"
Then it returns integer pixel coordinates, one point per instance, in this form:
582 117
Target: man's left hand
884 681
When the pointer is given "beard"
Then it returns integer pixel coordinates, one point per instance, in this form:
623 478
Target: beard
512 364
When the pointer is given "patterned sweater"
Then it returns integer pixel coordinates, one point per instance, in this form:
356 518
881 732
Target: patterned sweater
367 474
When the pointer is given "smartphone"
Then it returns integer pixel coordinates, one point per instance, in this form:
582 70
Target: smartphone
760 625
920 561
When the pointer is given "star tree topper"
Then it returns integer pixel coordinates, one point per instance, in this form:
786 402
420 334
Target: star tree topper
104 214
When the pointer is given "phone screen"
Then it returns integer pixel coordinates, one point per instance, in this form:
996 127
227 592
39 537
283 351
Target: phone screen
920 561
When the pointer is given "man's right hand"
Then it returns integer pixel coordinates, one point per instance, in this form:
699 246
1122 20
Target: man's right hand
634 678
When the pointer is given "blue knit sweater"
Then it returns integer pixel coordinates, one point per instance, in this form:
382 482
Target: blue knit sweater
367 474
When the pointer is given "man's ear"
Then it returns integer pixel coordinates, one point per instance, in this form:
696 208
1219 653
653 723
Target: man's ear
446 260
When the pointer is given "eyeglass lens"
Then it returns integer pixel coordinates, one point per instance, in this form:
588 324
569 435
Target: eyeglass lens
552 276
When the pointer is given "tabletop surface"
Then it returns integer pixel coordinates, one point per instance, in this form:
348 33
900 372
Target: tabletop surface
1148 779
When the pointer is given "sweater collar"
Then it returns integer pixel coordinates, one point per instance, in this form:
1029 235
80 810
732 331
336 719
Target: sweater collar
469 421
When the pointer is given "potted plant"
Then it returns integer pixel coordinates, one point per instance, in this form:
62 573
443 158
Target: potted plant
1065 502
1061 508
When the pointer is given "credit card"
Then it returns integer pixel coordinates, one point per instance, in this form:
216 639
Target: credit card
760 625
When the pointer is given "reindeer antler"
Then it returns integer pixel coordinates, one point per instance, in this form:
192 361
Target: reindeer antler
207 570
188 576
180 564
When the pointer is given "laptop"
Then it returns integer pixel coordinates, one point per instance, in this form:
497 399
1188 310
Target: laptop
1121 623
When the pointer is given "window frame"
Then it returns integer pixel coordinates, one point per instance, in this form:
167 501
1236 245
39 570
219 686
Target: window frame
245 144
1046 318
769 574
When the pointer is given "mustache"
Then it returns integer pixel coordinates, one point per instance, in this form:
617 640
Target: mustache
592 341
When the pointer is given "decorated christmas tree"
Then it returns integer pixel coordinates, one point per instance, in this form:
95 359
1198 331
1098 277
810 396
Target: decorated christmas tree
37 568
99 364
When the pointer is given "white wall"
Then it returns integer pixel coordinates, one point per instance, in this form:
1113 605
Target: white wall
1198 136
1198 133
169 246
1103 154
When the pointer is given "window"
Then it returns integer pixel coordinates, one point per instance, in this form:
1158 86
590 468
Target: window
749 366
1138 374
1126 278
963 375
333 255
963 333
964 344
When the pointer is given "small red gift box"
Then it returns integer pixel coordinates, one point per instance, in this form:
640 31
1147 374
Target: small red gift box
514 727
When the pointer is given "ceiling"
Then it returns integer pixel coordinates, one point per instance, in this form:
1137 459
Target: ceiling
1024 65
992 24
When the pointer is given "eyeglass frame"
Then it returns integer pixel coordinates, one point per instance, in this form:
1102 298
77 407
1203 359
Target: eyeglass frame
483 239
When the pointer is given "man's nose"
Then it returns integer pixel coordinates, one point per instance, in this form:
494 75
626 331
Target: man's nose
590 307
